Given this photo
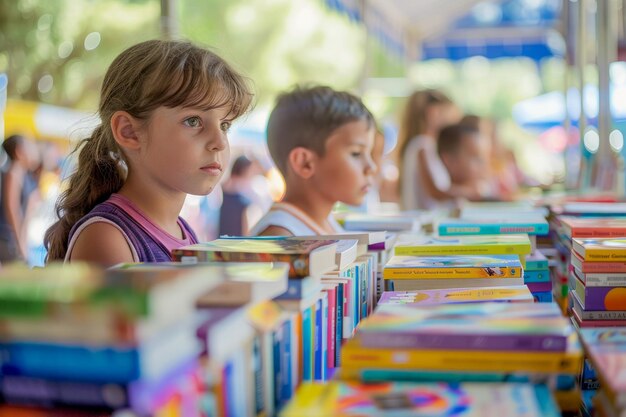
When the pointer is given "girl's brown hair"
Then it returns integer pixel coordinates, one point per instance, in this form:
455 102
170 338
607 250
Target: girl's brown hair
413 122
144 77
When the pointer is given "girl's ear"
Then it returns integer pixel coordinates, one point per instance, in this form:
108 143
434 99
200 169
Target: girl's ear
302 162
126 130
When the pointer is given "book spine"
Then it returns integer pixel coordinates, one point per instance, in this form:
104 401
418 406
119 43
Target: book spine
278 371
332 320
536 276
364 279
599 298
452 272
543 297
317 376
257 368
583 232
602 280
298 289
493 229
598 267
539 286
324 354
286 363
306 345
339 324
604 255
508 342
462 250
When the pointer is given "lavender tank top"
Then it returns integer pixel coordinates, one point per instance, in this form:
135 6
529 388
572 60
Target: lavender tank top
147 241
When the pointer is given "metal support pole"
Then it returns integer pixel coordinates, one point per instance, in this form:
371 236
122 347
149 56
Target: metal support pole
169 19
607 51
581 61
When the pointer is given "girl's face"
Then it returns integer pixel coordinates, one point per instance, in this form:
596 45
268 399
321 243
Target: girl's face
442 115
185 149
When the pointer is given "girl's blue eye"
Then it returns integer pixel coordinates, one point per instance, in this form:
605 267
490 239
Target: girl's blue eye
193 121
225 126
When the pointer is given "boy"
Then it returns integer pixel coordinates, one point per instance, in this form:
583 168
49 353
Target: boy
462 150
321 141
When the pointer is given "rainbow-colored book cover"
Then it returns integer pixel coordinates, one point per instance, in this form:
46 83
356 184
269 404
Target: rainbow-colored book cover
492 226
306 257
512 294
600 249
442 267
404 399
465 245
480 326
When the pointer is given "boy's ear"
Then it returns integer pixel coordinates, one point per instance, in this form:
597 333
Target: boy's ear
302 162
126 130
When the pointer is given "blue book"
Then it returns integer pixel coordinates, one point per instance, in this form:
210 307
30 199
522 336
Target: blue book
339 325
318 341
300 288
543 297
536 261
285 366
278 371
227 381
306 345
536 276
324 358
456 227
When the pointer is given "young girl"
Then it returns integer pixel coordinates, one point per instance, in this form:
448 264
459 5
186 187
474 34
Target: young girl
165 107
424 181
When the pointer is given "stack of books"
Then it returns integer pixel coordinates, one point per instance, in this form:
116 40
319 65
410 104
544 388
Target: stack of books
537 277
475 342
74 336
606 349
597 288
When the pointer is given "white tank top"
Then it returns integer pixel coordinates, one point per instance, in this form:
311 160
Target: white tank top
294 220
415 195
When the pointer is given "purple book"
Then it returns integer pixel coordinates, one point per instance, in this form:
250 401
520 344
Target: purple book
601 298
477 326
539 286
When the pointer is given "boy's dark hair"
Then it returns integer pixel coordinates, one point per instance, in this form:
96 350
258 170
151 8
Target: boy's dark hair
306 117
450 137
11 144
239 166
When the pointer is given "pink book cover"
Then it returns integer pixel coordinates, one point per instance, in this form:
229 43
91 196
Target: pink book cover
331 290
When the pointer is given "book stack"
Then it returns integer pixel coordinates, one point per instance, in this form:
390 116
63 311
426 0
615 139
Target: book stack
597 287
606 350
476 342
354 399
537 277
398 222
74 336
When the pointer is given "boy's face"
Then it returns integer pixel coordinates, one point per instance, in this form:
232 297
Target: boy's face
467 164
345 172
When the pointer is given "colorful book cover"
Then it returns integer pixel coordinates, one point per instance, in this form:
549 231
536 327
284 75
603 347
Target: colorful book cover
536 276
606 348
400 399
445 267
305 257
536 261
597 315
446 327
492 226
600 249
536 287
465 245
597 267
593 227
517 293
598 298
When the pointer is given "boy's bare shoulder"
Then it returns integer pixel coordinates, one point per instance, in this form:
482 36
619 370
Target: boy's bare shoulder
275 231
101 243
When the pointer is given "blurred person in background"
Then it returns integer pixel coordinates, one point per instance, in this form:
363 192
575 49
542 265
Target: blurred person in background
19 193
239 210
424 180
462 150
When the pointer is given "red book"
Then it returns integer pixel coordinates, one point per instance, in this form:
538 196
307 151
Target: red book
331 290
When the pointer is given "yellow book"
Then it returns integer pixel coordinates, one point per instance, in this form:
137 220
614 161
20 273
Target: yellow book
450 267
312 400
466 245
353 357
600 249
